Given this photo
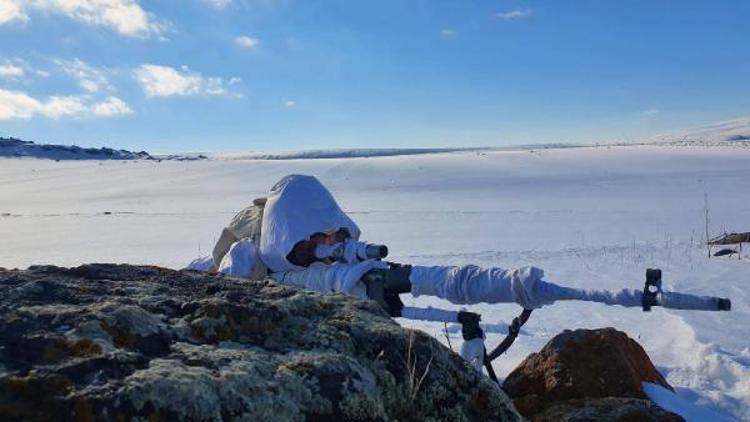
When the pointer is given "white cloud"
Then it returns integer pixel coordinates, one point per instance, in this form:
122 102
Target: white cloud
20 105
11 71
89 78
290 103
17 105
515 14
652 112
10 10
219 4
165 81
59 106
447 33
246 42
126 17
17 69
112 106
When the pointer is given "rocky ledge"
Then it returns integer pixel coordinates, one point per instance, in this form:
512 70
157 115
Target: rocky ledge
118 342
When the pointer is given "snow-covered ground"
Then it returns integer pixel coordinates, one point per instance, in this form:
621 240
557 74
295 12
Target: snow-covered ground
591 217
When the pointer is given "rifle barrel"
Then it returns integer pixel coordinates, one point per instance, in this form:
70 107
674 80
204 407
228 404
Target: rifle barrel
675 300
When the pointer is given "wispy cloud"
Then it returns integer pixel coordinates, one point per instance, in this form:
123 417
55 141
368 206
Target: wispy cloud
165 81
652 112
20 105
112 106
515 14
18 70
290 103
448 33
126 17
11 11
245 41
218 4
91 79
11 71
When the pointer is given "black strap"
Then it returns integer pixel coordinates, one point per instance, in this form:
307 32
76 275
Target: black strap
513 330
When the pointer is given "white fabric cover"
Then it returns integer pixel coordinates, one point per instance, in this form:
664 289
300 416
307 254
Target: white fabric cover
204 264
349 251
473 352
297 207
471 284
624 297
241 259
338 277
429 314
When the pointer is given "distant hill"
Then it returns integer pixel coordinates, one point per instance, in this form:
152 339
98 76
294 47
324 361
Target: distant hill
12 147
727 133
731 133
16 148
374 152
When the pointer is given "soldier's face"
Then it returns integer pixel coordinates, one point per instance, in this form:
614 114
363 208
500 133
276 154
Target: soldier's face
303 253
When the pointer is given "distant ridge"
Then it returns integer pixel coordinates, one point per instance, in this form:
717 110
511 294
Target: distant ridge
730 133
374 152
16 148
734 132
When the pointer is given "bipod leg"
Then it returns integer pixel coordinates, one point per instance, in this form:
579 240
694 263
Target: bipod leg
489 368
513 330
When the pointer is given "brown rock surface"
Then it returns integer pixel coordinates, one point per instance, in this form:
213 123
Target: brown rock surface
119 342
597 372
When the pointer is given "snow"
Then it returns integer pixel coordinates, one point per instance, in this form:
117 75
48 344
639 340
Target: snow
590 217
675 404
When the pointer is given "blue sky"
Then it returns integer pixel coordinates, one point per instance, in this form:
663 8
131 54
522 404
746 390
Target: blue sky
240 75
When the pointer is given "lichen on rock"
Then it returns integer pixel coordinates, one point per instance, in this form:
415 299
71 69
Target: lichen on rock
104 342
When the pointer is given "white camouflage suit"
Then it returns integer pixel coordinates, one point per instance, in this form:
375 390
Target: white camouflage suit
299 206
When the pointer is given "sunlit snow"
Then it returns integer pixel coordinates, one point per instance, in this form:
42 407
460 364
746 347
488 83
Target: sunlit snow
590 217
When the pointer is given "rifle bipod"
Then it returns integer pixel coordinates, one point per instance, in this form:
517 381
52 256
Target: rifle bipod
384 287
653 295
471 330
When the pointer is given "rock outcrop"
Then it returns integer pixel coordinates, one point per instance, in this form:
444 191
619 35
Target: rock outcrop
12 147
587 375
117 342
16 148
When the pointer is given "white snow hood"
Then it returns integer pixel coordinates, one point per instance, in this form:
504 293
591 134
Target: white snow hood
298 206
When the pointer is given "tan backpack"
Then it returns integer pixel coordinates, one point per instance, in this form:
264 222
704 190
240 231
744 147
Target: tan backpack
245 225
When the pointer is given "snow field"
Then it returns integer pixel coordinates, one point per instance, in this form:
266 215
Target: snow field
591 217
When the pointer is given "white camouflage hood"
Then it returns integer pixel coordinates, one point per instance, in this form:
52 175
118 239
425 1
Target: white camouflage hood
298 207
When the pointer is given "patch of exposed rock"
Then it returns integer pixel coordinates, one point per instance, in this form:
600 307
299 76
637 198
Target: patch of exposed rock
118 342
587 375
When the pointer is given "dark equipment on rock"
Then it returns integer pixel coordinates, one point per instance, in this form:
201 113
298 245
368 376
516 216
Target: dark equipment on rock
725 252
